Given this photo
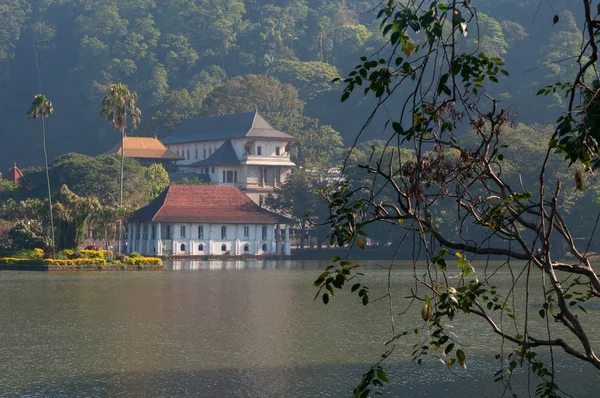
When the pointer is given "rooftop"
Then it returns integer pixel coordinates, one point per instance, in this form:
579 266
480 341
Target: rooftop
206 204
13 174
224 156
144 148
211 128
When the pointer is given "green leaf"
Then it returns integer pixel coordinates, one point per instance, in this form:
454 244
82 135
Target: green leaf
365 299
460 357
449 348
542 313
325 298
355 287
360 243
382 376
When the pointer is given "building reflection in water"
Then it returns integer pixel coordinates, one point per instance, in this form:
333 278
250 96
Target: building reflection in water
178 265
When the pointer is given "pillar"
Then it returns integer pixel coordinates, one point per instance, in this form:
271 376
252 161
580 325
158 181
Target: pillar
129 240
286 242
140 246
148 247
277 239
158 240
133 238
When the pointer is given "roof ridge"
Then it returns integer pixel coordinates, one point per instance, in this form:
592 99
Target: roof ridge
164 201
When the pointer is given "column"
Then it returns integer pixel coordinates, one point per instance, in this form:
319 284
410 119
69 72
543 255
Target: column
140 246
210 239
277 239
257 245
148 248
133 238
129 240
286 242
158 240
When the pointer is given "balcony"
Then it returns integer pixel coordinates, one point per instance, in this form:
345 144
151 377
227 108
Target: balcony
267 160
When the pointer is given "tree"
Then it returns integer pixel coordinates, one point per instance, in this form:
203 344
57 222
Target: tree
73 213
311 78
297 197
495 215
41 108
277 102
158 180
118 105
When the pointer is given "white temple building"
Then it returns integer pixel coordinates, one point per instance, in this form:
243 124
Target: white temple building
205 220
240 150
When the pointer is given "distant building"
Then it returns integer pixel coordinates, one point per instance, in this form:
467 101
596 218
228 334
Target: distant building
197 220
13 175
144 149
240 150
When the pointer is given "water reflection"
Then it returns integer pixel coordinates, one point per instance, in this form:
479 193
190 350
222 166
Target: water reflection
233 334
227 264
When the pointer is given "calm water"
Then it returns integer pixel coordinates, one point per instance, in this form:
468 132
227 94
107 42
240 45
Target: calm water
226 329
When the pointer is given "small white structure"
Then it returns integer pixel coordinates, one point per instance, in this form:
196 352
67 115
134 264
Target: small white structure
240 150
204 220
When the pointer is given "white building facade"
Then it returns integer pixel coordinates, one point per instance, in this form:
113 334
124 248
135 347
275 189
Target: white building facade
240 150
202 220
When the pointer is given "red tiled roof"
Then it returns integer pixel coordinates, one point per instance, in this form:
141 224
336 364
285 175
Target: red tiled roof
206 204
144 148
14 174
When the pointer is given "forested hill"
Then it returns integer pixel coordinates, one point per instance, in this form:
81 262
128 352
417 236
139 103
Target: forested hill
191 57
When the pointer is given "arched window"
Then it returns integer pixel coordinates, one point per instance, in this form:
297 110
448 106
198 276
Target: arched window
200 247
264 247
223 247
182 247
246 248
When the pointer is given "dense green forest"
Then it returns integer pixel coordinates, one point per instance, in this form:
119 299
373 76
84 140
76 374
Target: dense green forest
193 57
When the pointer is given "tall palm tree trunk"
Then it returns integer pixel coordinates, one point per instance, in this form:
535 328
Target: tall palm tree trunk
49 190
121 190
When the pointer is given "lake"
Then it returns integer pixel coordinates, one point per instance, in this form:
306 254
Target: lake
230 329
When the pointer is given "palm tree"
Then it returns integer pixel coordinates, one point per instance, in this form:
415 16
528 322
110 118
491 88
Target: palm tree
119 104
41 108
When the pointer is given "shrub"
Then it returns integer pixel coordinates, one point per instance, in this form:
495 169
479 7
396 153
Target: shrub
90 253
38 253
92 247
141 261
27 253
120 257
78 261
76 255
135 255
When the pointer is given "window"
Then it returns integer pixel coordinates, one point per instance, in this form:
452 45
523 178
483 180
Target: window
223 247
182 247
206 170
168 232
200 247
196 152
230 176
235 176
213 170
201 232
209 151
153 233
178 151
246 248
223 232
277 151
246 231
224 179
204 154
182 231
188 153
247 150
264 232
259 150
264 247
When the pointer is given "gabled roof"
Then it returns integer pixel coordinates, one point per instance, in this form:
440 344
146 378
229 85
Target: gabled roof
206 204
212 128
144 148
13 174
224 156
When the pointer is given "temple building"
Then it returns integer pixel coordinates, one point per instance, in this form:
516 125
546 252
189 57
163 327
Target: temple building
205 220
240 150
13 174
145 150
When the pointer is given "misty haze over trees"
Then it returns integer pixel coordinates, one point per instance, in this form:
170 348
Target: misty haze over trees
190 57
